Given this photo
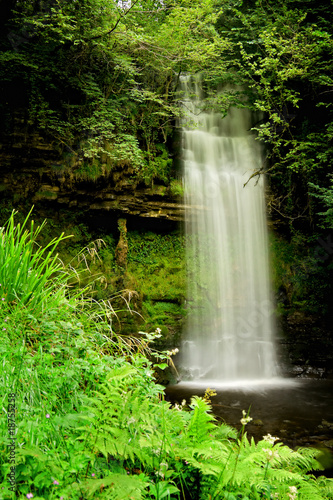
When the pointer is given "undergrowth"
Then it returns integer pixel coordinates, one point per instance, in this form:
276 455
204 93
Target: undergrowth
87 419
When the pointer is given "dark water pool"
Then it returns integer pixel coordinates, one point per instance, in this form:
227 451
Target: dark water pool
298 411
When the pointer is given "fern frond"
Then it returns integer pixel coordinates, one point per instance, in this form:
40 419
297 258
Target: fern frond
225 432
120 373
301 460
326 486
114 487
310 489
201 422
213 451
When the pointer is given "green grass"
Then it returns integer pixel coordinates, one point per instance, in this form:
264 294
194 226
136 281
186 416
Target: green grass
30 276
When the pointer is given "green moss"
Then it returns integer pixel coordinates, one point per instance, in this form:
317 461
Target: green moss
50 195
90 170
177 188
300 275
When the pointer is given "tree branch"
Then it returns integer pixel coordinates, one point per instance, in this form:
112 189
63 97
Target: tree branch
259 173
118 21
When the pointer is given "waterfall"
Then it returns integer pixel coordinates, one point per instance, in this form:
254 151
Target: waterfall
230 332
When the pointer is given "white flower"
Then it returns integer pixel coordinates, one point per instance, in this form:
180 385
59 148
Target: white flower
173 352
245 420
270 439
293 492
271 454
158 330
181 406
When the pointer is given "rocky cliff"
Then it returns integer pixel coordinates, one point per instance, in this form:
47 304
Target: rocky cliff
36 169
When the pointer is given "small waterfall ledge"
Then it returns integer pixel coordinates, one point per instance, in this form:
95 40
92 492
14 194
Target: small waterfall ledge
229 336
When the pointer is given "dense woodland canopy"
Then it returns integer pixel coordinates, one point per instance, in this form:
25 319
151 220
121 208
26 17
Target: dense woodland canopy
101 76
99 79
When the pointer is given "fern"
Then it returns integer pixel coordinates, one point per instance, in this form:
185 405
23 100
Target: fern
114 487
126 426
264 467
201 422
173 448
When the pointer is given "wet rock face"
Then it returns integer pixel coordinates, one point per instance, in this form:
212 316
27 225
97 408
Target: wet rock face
34 169
308 344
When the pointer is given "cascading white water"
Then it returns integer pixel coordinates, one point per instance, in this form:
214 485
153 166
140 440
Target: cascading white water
229 335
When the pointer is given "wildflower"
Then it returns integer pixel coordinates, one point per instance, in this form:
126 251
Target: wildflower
6 319
3 298
209 393
271 454
29 495
47 415
93 474
158 330
292 492
55 482
4 329
245 420
270 439
172 352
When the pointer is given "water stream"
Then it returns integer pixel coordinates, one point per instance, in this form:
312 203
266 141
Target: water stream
229 335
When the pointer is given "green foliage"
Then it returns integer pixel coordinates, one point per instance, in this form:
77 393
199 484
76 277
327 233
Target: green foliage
162 257
326 196
300 274
92 423
99 78
286 61
158 165
26 270
177 188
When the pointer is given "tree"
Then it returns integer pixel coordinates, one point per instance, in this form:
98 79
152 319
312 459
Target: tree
100 77
284 58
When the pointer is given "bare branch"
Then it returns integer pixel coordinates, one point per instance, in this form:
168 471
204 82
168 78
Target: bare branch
259 172
118 21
